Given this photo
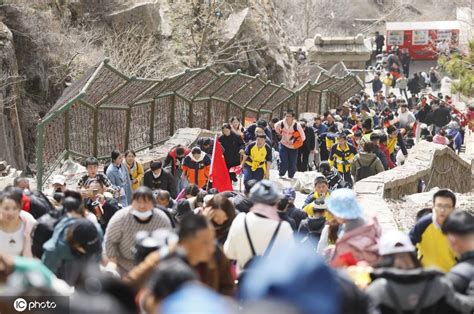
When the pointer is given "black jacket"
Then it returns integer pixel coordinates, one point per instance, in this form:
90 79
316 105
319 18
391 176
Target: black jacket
402 291
309 142
422 114
285 217
164 182
441 116
231 144
297 214
414 85
462 274
379 153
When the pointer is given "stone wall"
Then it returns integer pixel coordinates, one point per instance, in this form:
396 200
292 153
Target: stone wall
436 165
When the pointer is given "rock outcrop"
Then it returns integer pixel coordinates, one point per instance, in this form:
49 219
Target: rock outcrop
11 141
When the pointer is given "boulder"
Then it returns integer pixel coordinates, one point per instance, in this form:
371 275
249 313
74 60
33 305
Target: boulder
233 24
147 14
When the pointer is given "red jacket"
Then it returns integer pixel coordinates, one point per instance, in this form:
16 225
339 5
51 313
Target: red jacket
384 149
173 159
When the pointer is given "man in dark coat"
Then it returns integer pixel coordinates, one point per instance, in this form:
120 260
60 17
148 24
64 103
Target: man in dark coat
158 179
414 84
441 117
306 149
233 147
379 43
459 228
405 59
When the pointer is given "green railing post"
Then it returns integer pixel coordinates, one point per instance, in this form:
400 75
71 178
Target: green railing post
209 111
227 112
153 104
95 133
191 114
172 122
66 133
39 156
127 128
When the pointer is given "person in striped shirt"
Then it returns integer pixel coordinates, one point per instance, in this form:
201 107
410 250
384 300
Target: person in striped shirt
124 225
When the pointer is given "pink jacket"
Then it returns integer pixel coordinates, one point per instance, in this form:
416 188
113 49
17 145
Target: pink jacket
30 222
286 132
362 242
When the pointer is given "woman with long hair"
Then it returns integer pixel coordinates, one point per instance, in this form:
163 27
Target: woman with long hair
221 212
15 224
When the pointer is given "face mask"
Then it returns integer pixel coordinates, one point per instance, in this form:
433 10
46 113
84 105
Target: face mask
142 215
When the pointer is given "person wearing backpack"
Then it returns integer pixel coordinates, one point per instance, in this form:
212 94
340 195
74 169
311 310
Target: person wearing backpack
341 155
311 228
259 233
75 241
366 163
292 138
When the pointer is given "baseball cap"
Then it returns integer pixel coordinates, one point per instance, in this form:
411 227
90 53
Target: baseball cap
86 234
59 179
343 203
395 241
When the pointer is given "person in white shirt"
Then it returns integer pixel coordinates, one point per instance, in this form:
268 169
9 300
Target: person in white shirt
15 224
266 232
406 118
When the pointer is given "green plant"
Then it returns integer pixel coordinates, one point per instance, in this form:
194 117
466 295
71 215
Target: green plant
461 68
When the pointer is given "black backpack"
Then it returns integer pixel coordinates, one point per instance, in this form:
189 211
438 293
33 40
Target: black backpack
43 231
39 204
363 172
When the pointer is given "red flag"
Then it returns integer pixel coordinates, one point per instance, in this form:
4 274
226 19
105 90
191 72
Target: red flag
219 173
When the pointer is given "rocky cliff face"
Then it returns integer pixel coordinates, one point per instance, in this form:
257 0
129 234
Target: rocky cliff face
54 42
11 142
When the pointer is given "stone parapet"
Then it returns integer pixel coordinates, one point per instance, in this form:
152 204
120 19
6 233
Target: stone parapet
434 164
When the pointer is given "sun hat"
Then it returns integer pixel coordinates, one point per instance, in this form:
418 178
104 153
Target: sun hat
395 241
342 203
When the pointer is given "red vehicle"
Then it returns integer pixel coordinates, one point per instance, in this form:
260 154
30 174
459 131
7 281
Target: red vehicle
424 40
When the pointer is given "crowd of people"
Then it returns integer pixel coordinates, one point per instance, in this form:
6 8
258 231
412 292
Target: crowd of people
166 240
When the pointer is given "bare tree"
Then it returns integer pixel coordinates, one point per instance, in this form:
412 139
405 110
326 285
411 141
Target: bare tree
135 52
208 47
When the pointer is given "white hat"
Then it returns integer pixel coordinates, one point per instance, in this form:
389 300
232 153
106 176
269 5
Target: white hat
395 241
59 179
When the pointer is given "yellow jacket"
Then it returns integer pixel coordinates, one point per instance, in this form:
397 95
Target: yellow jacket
136 173
433 246
341 159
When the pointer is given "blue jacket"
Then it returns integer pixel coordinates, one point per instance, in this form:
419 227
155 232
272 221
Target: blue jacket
56 250
323 128
121 179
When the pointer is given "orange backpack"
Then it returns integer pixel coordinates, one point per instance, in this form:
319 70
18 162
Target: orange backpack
296 138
